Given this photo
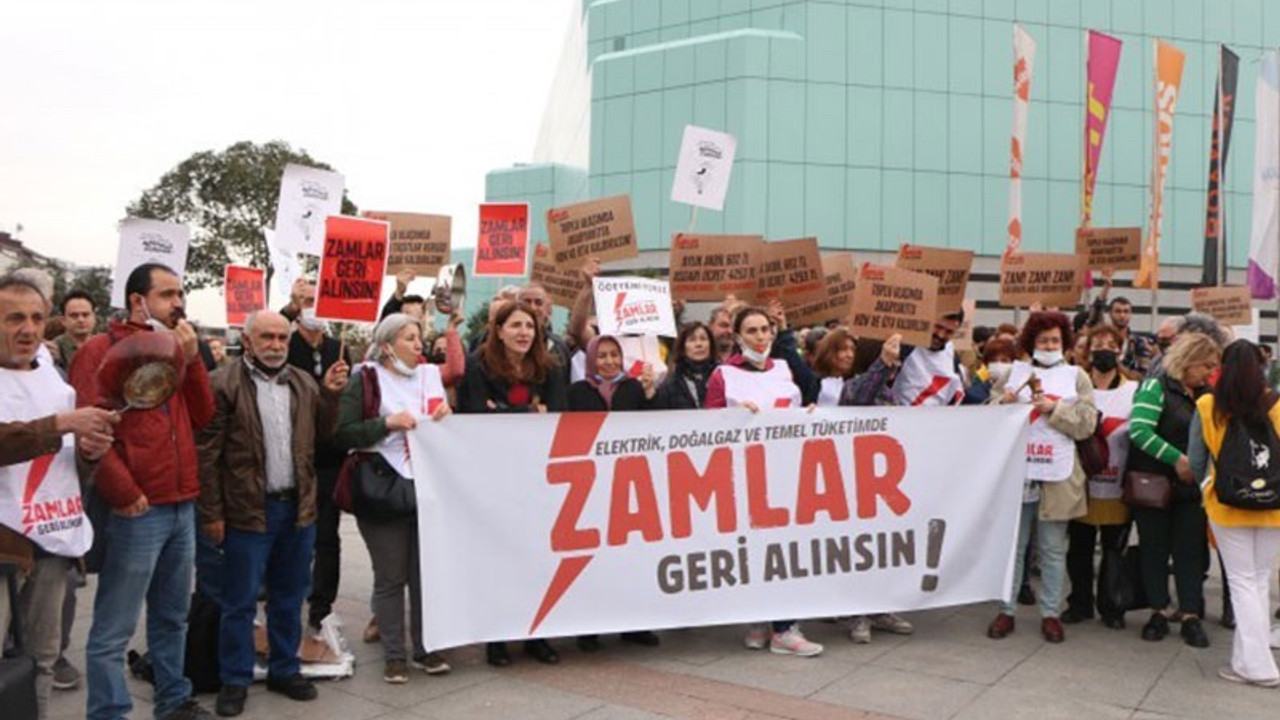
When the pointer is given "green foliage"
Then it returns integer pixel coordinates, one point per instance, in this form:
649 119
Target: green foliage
477 321
226 198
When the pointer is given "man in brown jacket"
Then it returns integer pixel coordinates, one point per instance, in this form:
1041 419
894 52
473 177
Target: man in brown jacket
258 499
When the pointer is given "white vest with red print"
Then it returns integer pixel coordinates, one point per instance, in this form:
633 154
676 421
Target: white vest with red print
1051 455
1115 406
421 394
772 388
929 377
40 498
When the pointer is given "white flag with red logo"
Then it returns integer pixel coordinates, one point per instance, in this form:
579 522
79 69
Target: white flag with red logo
634 306
1024 49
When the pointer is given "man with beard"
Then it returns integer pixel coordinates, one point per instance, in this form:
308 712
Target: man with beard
1136 351
149 480
907 375
258 500
722 331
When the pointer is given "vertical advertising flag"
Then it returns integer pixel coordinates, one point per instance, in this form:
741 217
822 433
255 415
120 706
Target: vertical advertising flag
1215 228
1104 60
1024 50
1168 78
1264 240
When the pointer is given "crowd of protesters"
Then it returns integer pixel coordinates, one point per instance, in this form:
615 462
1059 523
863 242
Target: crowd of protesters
234 485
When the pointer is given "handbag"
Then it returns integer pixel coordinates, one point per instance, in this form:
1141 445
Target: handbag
1120 585
367 486
1147 489
1093 451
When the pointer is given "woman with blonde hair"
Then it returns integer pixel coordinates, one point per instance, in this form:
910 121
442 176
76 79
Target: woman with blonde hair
1159 427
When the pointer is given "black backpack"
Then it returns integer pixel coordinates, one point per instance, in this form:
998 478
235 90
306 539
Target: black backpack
1247 469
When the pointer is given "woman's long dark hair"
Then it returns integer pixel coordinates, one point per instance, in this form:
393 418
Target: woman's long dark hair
1242 390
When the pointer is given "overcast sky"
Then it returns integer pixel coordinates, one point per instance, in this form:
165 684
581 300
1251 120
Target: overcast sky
412 100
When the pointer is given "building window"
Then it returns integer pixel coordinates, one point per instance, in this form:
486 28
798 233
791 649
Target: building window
619 44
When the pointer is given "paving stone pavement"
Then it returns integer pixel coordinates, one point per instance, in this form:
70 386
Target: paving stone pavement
947 670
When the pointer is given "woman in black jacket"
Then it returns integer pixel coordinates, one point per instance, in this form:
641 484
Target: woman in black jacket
513 372
685 387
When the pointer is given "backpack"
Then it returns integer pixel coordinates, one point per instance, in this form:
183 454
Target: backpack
1247 469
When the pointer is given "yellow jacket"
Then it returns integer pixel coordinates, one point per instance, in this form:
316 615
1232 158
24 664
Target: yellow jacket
1213 434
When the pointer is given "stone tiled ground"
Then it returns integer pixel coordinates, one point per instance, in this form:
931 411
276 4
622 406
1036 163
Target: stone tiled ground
948 669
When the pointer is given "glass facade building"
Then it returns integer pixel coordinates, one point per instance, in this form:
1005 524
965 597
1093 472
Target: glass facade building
868 123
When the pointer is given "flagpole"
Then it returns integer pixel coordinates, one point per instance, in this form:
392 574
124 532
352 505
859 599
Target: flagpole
1220 137
1155 162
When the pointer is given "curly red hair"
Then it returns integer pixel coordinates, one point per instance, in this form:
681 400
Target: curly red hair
1040 322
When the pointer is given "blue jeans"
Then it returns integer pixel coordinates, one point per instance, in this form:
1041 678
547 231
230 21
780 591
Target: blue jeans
283 554
149 558
1051 542
209 566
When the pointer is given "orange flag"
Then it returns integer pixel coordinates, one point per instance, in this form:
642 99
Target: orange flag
1169 61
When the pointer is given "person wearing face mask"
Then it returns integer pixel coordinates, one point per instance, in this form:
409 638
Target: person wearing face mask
685 387
149 479
513 372
833 362
990 376
401 392
1159 427
1107 515
750 379
258 501
1063 411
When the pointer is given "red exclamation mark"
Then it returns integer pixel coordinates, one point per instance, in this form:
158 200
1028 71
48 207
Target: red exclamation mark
933 553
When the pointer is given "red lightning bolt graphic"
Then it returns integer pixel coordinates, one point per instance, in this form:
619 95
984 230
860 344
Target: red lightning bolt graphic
935 387
35 476
575 433
617 307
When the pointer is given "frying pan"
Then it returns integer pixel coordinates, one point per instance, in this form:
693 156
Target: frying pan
141 372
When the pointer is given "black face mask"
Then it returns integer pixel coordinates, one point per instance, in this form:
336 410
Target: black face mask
1104 360
436 358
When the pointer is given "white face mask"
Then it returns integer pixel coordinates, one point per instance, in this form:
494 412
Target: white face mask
757 358
1048 358
309 322
398 365
999 371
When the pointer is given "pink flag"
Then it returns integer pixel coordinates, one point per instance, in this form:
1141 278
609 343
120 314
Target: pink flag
1104 59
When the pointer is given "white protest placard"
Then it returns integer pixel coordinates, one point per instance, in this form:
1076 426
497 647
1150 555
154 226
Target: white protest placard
307 196
285 267
703 168
669 519
148 241
634 306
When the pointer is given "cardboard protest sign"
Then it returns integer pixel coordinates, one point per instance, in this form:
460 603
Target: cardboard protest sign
245 291
148 241
1110 248
892 301
840 275
602 229
709 267
352 269
790 271
503 247
419 242
951 267
634 306
703 168
308 196
562 286
1051 279
1229 305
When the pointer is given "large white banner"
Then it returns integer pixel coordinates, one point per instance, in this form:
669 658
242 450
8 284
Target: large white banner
307 196
552 525
634 306
145 241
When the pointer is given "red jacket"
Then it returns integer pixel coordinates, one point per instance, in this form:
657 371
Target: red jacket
154 452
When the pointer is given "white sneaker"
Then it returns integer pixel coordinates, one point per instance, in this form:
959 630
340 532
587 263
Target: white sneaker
1230 675
757 637
888 622
860 630
793 642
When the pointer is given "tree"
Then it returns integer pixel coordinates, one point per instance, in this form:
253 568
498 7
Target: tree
476 323
226 198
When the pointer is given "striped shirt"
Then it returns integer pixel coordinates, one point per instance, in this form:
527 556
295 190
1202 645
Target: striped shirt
1148 405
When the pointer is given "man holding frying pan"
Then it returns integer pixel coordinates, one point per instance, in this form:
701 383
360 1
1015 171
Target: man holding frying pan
149 368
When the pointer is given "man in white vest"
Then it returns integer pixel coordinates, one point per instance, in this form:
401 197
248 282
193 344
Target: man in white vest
43 527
